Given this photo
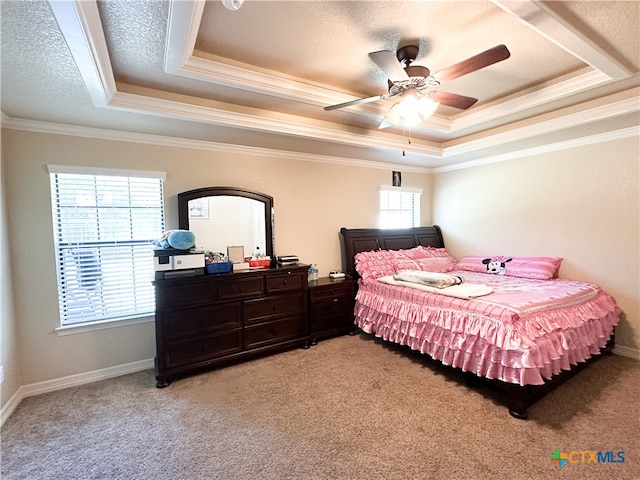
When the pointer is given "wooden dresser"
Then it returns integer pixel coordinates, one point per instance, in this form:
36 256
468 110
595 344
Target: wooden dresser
211 320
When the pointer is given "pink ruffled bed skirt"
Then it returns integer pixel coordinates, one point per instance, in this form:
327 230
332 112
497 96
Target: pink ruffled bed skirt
523 351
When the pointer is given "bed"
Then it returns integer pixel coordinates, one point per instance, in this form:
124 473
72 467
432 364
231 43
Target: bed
510 326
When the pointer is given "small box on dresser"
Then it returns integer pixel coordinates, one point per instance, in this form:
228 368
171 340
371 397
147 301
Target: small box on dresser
331 303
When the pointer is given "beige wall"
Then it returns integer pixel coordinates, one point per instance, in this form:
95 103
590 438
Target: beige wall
580 204
9 358
312 201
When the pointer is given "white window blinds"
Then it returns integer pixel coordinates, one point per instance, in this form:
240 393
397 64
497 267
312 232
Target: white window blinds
103 225
399 207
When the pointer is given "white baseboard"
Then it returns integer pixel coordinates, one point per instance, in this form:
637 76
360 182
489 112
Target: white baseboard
627 352
70 381
11 405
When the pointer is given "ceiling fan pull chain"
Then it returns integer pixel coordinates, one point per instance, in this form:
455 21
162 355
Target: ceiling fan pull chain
408 137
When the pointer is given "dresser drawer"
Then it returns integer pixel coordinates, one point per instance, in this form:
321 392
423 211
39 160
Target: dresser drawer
240 288
285 281
185 352
330 292
268 308
201 321
337 306
342 320
274 332
188 294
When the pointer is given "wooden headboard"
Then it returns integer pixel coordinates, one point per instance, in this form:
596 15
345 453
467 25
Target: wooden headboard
356 240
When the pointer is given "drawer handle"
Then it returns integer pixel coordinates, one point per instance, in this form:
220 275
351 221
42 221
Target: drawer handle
335 299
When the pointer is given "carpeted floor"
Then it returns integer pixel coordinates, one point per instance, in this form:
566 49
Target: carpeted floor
348 408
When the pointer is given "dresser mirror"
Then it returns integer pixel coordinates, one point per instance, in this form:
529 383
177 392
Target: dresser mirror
221 217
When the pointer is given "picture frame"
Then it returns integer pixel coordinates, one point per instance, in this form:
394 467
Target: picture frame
396 178
235 253
199 208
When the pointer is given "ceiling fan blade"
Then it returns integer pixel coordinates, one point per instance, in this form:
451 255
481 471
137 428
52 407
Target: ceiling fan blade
357 102
384 124
453 100
484 59
389 64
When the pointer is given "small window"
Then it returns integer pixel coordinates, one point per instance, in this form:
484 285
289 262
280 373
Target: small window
399 207
103 224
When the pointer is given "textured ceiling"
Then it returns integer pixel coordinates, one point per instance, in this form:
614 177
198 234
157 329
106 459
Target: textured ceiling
260 76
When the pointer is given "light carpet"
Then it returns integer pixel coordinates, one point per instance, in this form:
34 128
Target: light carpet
349 408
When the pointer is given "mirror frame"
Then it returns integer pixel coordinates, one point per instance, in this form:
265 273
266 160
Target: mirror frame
185 197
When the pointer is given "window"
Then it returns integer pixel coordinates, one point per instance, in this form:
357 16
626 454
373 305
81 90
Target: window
103 223
399 207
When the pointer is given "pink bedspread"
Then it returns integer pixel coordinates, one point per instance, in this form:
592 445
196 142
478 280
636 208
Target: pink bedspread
523 333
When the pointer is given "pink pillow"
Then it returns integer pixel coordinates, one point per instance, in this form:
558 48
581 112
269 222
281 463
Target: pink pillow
381 263
432 252
413 253
524 267
374 264
434 264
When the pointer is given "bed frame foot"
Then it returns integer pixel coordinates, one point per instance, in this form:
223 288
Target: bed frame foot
519 414
162 383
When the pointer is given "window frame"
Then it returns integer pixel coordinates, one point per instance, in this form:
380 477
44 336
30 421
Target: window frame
415 212
65 328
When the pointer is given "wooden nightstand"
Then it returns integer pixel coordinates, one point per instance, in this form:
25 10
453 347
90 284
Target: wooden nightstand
331 307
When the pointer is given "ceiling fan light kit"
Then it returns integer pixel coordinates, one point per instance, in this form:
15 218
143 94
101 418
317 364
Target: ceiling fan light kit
410 111
417 88
232 4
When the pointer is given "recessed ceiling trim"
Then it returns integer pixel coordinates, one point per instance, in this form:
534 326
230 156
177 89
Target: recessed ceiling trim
184 22
168 108
545 22
539 19
254 81
81 27
547 148
569 117
590 78
80 24
185 19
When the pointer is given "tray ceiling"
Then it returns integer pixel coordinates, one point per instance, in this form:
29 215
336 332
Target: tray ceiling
260 76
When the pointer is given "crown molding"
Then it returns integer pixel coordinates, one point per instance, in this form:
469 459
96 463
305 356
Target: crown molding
607 107
587 78
547 148
157 140
285 124
37 126
585 113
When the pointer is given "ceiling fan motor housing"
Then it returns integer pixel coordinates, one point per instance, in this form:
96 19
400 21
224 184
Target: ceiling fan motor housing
417 74
407 54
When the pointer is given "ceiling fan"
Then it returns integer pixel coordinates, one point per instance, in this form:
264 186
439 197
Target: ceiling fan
417 87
